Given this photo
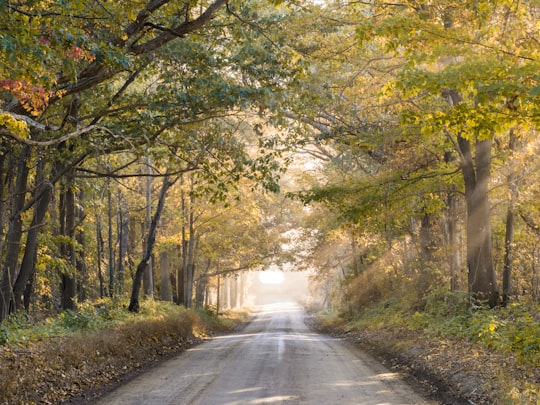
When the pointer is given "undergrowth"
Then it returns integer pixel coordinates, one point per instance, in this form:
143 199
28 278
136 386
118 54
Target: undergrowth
226 321
59 357
20 328
512 332
507 340
513 329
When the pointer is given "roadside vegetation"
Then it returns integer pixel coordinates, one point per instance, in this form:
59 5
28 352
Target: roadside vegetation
461 352
62 357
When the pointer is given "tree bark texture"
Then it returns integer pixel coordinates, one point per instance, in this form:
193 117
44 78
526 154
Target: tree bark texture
452 226
123 242
100 248
112 261
80 258
510 217
28 264
148 280
14 235
67 229
476 176
134 304
481 278
164 271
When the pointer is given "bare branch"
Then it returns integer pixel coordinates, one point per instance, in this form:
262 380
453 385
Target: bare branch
530 222
55 141
180 30
92 174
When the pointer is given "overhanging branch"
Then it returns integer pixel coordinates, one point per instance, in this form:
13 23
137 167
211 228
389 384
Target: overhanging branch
56 141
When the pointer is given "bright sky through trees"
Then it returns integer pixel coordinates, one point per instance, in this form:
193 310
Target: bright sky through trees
271 277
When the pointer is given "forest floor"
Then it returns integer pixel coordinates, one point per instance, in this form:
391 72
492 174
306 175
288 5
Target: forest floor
454 371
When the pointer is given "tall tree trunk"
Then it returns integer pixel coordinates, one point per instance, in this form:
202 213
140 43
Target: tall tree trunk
202 287
451 227
110 243
25 282
80 258
180 292
185 262
164 271
510 215
28 264
427 247
479 244
67 229
123 241
190 268
14 235
426 238
6 174
481 278
218 295
68 219
100 244
189 242
227 293
148 281
133 238
185 272
134 304
452 240
29 292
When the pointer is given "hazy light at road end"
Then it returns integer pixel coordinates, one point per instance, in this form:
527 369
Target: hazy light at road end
271 277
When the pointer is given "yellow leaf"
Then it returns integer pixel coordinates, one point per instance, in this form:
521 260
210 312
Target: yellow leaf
18 127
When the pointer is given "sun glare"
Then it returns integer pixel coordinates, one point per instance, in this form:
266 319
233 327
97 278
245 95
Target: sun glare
271 277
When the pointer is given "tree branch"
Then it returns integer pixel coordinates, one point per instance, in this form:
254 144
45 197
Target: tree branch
56 141
180 30
530 222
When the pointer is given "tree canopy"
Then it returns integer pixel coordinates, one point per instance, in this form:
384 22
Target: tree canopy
413 128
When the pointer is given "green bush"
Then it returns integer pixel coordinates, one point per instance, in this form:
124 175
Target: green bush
525 338
485 327
4 334
515 329
75 320
511 329
444 303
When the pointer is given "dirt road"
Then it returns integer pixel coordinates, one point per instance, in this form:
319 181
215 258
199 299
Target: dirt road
275 359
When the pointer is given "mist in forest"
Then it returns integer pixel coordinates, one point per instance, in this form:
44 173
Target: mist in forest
274 286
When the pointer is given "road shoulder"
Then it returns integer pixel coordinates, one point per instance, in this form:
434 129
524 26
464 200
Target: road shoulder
451 371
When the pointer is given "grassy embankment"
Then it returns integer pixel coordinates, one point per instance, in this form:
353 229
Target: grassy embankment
478 355
62 356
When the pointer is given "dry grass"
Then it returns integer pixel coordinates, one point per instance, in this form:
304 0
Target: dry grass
57 369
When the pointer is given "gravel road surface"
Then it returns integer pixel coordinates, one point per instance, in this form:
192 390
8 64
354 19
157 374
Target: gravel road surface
275 359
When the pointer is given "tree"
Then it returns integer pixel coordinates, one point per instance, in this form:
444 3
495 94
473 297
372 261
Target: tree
439 65
142 267
417 87
106 80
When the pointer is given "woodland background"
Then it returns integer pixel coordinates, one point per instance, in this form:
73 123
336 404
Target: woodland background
391 149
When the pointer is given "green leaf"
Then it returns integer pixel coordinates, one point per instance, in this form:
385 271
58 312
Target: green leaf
535 91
